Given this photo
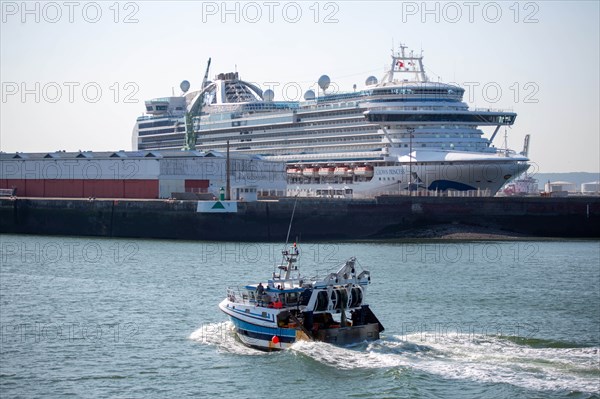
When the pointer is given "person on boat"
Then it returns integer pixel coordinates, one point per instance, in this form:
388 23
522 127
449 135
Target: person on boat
277 304
260 290
295 249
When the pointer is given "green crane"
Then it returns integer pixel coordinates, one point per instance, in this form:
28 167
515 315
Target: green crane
195 110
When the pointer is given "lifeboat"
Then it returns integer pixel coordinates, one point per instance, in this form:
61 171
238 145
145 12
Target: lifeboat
325 172
366 171
293 172
342 171
309 172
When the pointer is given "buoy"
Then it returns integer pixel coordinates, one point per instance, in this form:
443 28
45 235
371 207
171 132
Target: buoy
275 339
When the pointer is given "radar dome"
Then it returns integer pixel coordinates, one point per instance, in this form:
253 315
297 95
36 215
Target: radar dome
371 80
324 82
309 95
184 86
268 95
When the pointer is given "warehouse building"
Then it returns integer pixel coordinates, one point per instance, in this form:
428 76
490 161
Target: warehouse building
138 174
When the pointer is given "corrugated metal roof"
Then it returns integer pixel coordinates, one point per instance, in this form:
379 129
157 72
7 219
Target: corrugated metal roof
120 154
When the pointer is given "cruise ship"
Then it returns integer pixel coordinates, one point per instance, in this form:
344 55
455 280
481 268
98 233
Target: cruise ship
399 134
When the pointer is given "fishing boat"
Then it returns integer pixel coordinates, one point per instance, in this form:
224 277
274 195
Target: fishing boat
289 307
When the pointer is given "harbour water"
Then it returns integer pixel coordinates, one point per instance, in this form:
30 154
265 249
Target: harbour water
100 317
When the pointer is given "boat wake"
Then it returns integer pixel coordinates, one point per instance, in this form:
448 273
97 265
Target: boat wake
519 362
222 336
532 364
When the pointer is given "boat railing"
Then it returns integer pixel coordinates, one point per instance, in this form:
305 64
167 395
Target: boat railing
234 295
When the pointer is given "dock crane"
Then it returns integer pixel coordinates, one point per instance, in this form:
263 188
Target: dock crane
525 151
195 110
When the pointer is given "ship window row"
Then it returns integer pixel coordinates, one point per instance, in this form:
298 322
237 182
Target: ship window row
333 140
419 108
279 130
302 144
422 135
291 150
162 131
170 139
270 123
425 90
146 125
451 145
432 129
327 114
474 118
285 135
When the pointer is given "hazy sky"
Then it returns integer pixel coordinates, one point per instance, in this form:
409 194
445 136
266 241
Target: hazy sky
75 74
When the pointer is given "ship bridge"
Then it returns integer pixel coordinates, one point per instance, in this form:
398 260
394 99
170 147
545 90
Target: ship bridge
466 117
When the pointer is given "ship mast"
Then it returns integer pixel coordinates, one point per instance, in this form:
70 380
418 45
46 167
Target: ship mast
195 110
403 63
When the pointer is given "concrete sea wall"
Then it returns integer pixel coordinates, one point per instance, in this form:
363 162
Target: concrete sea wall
315 219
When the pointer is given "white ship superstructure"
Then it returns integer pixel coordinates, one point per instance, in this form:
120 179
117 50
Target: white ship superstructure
402 132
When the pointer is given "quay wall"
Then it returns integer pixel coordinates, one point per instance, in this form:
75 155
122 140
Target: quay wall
315 219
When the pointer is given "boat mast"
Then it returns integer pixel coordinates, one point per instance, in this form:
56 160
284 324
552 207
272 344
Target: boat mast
290 256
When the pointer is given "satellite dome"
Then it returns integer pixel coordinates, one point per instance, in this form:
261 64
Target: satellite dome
184 86
268 95
324 82
309 95
371 80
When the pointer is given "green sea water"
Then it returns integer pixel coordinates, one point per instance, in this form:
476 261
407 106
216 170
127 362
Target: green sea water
94 317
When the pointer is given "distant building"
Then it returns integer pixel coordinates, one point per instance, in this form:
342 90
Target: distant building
591 188
138 174
560 188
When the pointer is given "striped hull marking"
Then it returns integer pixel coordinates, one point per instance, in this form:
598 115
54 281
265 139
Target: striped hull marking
253 331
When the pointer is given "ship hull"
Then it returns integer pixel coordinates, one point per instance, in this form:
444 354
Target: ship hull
486 178
256 328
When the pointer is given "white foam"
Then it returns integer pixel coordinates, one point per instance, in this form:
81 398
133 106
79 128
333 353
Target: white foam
457 356
497 360
345 358
222 335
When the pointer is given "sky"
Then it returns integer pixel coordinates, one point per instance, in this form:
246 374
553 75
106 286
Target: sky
75 75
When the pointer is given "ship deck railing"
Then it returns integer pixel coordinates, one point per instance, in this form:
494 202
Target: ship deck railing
243 295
